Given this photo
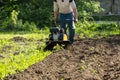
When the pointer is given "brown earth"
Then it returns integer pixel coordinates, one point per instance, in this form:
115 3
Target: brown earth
19 39
85 59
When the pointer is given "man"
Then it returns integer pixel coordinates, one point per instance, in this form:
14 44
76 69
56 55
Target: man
66 12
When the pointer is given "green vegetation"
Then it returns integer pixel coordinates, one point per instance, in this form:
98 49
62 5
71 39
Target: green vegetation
19 51
92 29
21 15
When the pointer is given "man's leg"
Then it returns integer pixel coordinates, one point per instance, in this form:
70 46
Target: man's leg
63 25
71 31
62 19
71 26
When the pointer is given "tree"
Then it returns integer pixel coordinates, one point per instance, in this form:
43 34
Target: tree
40 12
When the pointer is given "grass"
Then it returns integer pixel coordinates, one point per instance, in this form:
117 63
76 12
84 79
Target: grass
87 29
17 55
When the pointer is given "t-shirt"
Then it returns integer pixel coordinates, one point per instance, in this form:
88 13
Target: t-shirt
64 6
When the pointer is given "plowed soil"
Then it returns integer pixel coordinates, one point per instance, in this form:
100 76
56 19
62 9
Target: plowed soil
85 59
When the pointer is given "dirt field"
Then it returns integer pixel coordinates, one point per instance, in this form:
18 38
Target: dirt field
85 59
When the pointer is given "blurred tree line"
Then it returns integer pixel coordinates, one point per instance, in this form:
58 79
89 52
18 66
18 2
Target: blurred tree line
30 15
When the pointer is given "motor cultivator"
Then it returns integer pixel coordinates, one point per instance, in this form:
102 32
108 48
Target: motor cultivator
56 36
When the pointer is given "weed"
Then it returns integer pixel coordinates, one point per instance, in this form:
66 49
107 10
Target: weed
18 55
62 79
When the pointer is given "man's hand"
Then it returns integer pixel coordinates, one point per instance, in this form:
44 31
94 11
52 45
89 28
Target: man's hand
76 20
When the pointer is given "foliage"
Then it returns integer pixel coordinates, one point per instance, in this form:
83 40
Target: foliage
92 29
14 17
16 13
88 7
13 23
19 55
